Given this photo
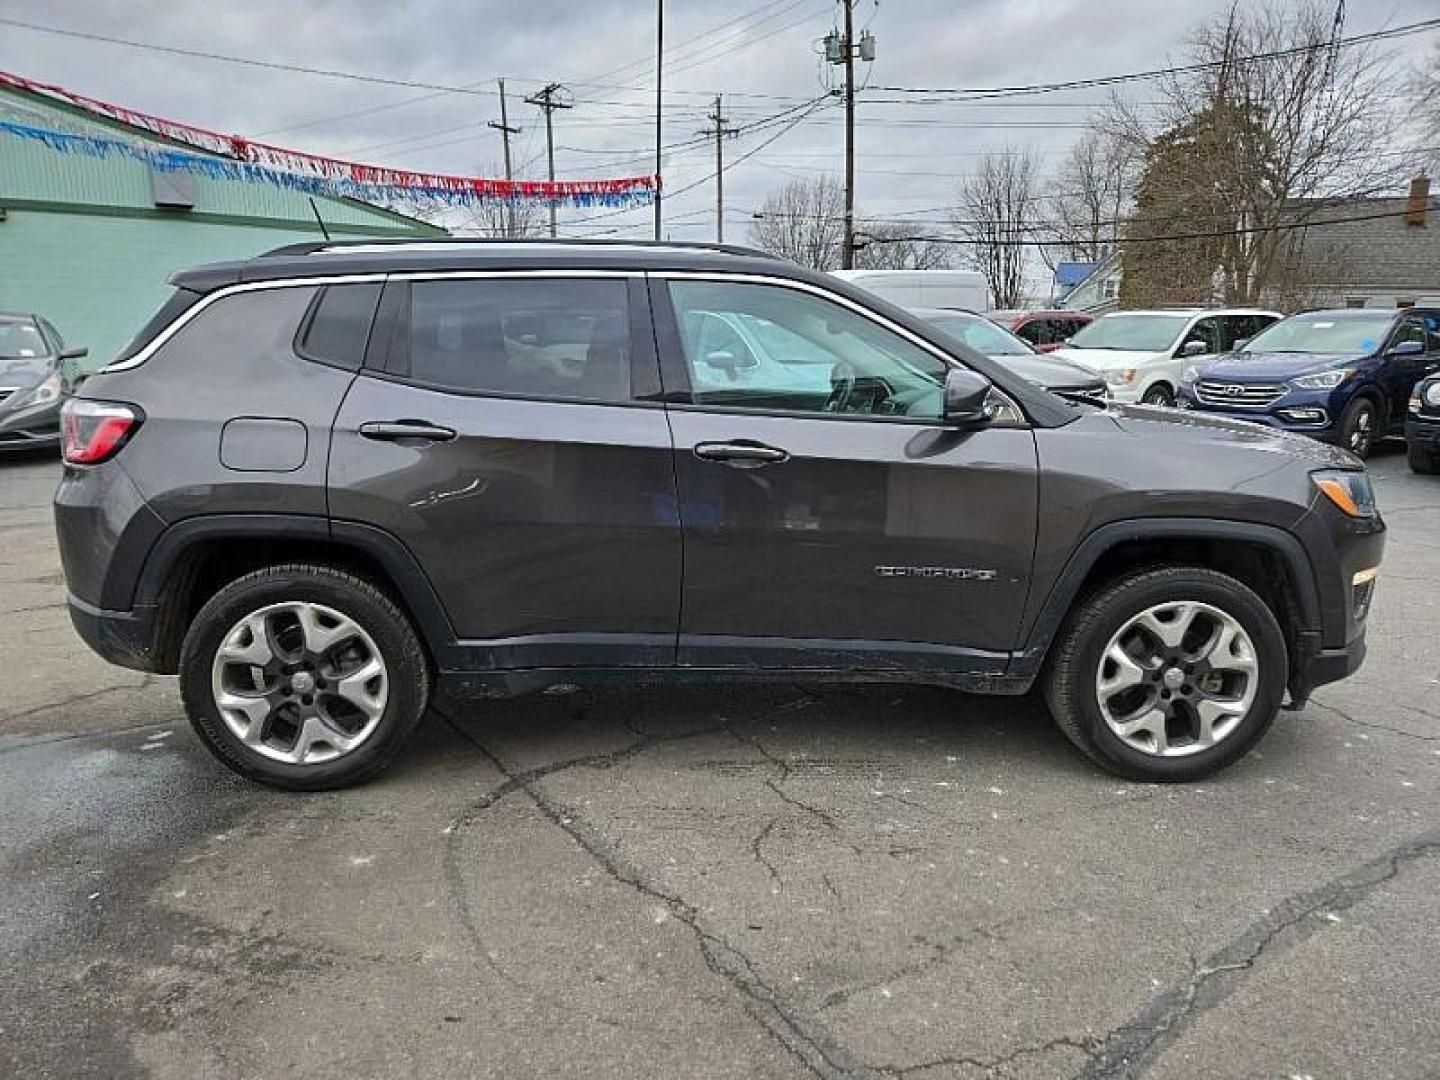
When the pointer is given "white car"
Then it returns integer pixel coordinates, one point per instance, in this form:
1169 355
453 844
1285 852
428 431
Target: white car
1141 354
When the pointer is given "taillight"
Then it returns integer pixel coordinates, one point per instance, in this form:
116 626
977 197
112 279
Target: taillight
93 431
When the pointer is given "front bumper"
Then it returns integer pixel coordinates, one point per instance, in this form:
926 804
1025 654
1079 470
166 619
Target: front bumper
30 429
1316 666
1423 432
1320 425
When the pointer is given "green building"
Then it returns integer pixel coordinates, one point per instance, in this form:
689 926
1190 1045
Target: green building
89 242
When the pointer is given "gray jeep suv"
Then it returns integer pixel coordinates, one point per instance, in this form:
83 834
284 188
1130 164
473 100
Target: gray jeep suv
327 483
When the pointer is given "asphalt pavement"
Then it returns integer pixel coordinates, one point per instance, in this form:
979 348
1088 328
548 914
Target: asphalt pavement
751 882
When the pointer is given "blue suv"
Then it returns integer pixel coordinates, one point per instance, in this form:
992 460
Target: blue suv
1340 376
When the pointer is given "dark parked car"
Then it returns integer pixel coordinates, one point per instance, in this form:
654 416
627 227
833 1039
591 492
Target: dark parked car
1045 330
984 336
33 382
1340 376
327 482
1422 426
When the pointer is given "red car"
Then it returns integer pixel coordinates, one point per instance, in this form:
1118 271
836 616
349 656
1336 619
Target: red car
1045 330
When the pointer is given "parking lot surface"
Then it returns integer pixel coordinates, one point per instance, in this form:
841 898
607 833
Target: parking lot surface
758 882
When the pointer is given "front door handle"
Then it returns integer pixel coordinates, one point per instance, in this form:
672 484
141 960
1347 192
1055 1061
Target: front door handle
742 453
400 430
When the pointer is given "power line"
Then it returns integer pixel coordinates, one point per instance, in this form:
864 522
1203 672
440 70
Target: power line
1156 73
1217 234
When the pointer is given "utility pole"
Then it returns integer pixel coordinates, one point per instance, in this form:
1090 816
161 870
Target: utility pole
546 99
505 132
659 101
720 130
843 50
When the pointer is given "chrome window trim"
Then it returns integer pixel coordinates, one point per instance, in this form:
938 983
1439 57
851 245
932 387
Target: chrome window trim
864 312
215 297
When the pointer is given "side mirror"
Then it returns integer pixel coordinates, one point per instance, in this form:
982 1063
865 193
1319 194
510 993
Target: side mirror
967 398
1194 348
1240 343
79 380
1406 348
724 360
74 354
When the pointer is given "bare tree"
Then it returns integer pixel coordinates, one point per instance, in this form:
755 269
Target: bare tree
1095 188
1425 104
996 213
1281 123
504 220
896 245
804 221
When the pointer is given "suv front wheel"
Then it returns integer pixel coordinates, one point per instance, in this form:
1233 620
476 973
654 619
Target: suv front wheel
303 677
1168 675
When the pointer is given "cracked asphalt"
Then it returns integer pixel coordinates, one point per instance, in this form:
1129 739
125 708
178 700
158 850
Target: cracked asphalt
757 882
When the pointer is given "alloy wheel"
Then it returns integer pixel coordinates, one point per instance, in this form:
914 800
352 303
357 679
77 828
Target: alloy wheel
1177 678
300 682
1362 430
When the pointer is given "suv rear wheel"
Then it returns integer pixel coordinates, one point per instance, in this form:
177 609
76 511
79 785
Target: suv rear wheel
303 677
1169 674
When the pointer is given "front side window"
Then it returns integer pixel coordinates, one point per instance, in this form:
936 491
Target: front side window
1207 332
553 338
813 355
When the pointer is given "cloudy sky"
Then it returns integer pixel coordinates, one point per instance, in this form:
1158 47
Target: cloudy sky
763 56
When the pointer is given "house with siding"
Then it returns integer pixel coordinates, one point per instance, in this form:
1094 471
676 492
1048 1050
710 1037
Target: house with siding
89 241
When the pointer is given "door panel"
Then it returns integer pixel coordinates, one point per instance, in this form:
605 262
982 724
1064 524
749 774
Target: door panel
868 537
854 531
544 521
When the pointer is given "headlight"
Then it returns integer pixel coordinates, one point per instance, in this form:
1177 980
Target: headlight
1190 374
1120 376
1323 380
45 392
1431 395
1347 489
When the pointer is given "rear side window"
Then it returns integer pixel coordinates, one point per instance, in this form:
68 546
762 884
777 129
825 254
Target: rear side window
179 302
338 325
555 338
236 329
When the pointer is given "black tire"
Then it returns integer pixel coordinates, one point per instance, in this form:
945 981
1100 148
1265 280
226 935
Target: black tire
1422 461
1159 394
1359 427
407 672
1069 681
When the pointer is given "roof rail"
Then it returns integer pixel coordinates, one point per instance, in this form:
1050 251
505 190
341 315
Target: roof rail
321 247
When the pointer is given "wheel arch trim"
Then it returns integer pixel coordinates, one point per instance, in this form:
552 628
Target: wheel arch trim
383 548
1045 623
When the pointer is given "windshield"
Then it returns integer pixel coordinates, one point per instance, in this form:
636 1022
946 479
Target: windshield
980 334
1147 332
1335 335
21 339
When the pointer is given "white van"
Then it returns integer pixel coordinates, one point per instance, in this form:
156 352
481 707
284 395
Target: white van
963 289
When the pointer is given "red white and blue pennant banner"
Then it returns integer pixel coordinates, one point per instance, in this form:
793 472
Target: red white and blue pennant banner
244 159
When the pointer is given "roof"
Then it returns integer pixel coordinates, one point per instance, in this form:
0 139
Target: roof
1379 251
1073 273
320 259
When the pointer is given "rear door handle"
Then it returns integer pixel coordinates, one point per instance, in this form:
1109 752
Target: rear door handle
740 453
400 430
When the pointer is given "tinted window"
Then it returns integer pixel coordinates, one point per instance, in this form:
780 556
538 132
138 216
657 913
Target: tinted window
835 361
1034 332
543 338
1207 332
235 329
339 325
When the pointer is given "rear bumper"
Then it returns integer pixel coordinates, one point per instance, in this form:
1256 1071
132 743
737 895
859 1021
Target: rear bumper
125 638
